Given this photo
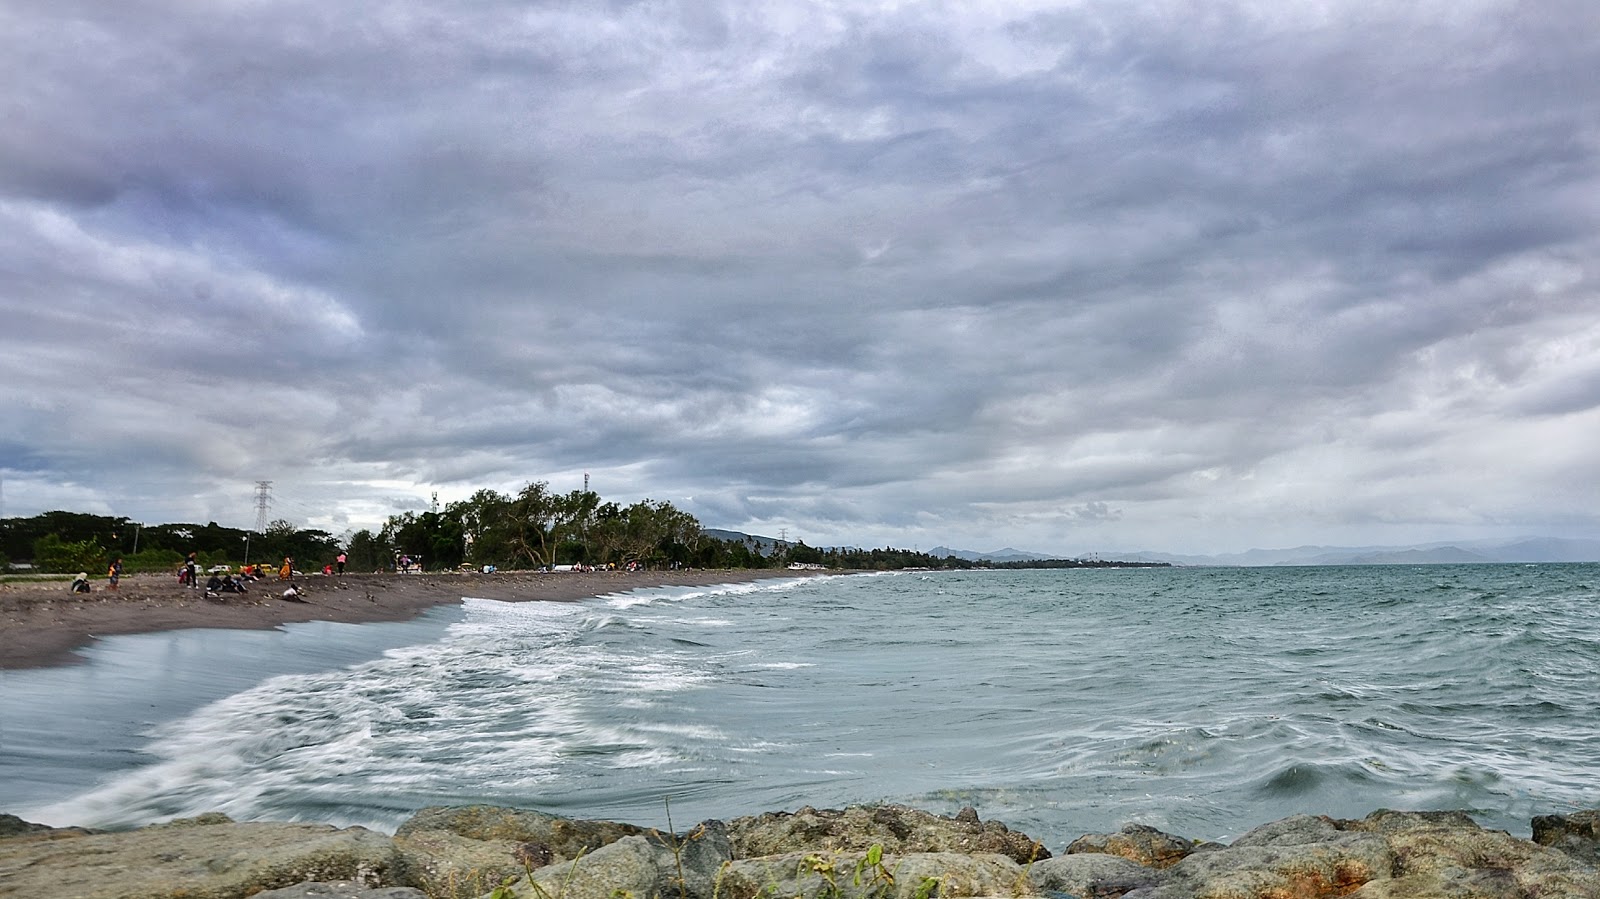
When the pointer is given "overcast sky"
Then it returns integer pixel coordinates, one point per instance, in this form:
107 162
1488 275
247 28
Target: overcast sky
1070 277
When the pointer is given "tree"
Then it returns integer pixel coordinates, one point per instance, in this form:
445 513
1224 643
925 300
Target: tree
367 552
51 553
532 524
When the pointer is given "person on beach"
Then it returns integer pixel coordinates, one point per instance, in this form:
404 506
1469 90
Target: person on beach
191 571
286 570
339 561
80 584
114 573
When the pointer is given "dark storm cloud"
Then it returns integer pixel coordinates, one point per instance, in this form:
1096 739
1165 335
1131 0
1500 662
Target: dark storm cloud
1065 276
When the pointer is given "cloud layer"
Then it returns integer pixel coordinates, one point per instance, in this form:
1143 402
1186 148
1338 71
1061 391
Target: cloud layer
1073 277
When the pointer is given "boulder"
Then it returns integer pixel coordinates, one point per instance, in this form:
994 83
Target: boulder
566 838
12 827
454 852
1387 855
210 858
854 874
643 867
899 830
1577 834
1136 843
1446 854
625 869
1090 876
341 889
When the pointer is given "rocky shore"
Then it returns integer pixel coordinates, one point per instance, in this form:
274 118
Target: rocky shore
866 852
41 623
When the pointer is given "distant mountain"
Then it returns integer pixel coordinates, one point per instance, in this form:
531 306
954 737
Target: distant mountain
1521 549
1444 555
1009 554
764 545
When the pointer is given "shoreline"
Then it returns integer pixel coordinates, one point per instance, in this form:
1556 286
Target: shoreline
43 625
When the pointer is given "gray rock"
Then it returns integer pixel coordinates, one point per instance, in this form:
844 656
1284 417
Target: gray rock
1387 855
626 869
194 861
851 875
896 828
1295 868
692 862
12 827
457 852
1577 834
342 889
566 838
1136 843
1444 855
1091 876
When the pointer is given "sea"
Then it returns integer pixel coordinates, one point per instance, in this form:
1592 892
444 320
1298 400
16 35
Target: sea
1200 701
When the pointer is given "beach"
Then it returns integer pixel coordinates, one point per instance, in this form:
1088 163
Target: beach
41 623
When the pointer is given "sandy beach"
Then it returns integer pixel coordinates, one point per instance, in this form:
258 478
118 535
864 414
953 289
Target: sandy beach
41 624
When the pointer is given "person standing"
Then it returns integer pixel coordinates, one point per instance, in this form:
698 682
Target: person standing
114 573
286 570
191 570
340 560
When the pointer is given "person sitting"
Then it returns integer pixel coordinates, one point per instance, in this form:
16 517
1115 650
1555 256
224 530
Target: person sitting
230 584
80 584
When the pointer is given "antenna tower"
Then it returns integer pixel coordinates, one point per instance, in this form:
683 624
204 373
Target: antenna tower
586 482
263 505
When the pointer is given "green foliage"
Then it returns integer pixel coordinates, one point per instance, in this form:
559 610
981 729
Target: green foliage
52 554
879 878
152 560
367 552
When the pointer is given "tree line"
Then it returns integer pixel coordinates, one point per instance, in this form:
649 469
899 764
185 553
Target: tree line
533 528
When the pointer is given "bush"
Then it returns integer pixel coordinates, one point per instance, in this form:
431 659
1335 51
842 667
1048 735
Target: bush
52 554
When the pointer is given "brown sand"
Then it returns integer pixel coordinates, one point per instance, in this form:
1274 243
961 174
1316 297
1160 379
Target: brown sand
41 623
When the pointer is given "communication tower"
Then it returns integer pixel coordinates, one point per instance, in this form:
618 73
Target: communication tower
263 505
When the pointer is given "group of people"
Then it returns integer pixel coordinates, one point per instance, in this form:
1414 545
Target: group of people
220 582
226 583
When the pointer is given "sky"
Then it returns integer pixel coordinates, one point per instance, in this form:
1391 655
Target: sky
1075 278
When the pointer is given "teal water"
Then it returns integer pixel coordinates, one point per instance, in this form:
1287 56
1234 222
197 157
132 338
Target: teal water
1200 701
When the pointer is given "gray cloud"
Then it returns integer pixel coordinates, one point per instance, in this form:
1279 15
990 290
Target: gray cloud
1074 279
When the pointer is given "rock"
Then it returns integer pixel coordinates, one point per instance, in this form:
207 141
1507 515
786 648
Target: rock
896 828
14 828
1090 876
1290 867
195 861
852 875
11 826
453 852
342 889
1445 854
1577 834
625 869
1136 843
693 861
566 838
1387 855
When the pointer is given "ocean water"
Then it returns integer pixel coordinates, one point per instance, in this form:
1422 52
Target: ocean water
1203 702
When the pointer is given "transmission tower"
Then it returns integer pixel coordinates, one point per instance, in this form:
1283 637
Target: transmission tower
263 505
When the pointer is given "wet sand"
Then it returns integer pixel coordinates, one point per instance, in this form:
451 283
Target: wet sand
41 624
